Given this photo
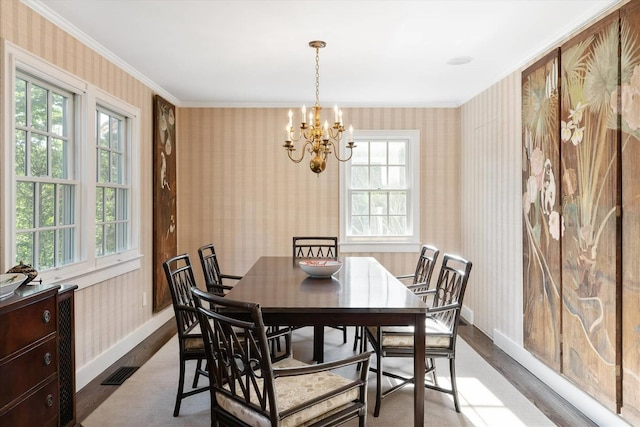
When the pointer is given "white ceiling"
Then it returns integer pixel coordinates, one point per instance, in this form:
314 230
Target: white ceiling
379 53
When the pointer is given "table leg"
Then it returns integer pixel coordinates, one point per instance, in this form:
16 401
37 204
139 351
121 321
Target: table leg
318 344
418 370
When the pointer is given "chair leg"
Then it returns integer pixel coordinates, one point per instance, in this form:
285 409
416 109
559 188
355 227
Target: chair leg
344 334
196 377
376 411
176 410
454 387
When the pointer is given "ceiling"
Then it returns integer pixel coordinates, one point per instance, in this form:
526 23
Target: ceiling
379 53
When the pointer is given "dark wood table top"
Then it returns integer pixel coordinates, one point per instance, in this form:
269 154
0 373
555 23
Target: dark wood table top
363 285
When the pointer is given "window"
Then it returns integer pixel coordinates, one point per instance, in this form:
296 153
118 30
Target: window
379 189
68 205
112 191
46 189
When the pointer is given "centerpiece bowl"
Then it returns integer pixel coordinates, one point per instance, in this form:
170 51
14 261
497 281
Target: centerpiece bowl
10 282
320 268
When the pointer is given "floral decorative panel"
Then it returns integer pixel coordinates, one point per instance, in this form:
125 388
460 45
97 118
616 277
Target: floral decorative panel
165 242
589 168
541 205
630 124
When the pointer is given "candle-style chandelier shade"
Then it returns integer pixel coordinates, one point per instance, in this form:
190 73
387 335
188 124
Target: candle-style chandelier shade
319 140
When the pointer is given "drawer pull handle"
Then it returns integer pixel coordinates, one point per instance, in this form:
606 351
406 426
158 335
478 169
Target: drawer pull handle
46 316
49 401
47 359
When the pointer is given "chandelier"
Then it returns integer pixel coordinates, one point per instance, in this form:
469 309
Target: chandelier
319 140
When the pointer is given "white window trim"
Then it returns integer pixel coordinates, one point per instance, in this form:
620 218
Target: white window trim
392 243
87 271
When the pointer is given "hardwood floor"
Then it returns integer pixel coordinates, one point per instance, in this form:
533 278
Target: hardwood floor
550 403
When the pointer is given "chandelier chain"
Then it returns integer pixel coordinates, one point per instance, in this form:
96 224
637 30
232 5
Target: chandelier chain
317 76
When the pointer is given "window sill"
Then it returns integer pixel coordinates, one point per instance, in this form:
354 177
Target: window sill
93 276
379 247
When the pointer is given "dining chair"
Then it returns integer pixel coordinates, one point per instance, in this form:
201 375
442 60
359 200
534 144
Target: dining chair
248 388
180 278
213 278
441 330
318 247
424 270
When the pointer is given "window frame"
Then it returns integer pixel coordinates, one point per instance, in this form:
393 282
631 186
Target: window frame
87 269
408 243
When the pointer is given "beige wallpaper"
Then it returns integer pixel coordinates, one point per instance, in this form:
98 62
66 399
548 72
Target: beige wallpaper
491 206
238 189
110 311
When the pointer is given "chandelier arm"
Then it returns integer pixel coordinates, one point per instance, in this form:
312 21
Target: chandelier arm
335 153
301 155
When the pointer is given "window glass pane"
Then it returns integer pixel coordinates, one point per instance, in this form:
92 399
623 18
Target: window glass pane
115 133
25 212
66 245
47 205
398 203
46 249
379 226
122 236
58 114
21 102
378 177
58 169
116 168
100 204
39 108
99 239
103 129
397 176
397 225
110 204
38 155
122 202
359 203
103 166
110 238
359 225
360 154
397 152
66 205
360 177
21 153
379 204
24 248
378 153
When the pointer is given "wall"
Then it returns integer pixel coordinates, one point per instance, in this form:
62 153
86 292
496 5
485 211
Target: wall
110 318
238 189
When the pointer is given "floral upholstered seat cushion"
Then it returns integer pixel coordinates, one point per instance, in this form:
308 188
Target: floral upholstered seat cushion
292 391
437 334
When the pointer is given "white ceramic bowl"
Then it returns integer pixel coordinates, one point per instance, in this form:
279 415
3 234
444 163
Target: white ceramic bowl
9 282
320 268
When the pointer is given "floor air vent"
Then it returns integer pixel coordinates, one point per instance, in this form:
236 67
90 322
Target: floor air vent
120 376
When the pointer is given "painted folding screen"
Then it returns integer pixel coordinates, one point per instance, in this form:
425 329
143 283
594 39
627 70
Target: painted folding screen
630 125
589 137
541 209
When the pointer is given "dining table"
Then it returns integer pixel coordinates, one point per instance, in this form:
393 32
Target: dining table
361 293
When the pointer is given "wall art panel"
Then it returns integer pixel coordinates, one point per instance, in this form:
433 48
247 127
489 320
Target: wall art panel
589 139
165 242
541 203
629 97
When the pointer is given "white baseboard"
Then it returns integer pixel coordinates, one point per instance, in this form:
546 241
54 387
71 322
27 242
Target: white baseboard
572 394
88 372
467 314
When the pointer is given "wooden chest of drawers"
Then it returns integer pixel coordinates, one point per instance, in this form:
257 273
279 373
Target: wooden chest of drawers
29 357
